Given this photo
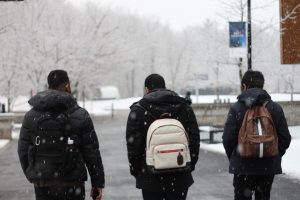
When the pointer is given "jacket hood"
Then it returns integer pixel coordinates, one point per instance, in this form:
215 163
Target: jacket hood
163 96
163 100
254 96
52 99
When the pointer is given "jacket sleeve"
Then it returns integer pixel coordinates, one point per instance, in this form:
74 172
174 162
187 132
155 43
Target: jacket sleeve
23 144
231 130
194 137
91 153
135 141
284 137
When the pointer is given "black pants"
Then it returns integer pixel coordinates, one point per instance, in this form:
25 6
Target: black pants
60 193
178 195
244 186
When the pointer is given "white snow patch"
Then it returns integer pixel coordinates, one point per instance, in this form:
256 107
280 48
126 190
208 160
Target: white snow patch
3 143
16 131
216 148
284 97
291 161
212 98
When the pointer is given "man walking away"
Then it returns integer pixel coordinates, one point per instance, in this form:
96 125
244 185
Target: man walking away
255 138
168 124
57 140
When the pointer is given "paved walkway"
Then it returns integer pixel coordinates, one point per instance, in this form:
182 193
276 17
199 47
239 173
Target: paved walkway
212 182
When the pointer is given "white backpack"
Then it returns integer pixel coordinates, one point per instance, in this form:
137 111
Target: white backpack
167 148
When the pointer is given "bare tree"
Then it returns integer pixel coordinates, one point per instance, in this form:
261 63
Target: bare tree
176 59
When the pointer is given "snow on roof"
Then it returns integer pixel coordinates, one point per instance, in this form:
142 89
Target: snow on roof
20 104
110 92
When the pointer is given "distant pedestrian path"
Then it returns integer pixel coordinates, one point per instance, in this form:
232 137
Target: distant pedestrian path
212 182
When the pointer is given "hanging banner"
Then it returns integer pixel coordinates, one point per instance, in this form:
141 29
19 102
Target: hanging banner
237 39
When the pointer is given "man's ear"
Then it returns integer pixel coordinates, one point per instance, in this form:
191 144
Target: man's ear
147 90
65 87
244 87
68 87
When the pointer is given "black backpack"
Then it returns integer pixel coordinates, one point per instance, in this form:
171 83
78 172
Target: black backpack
55 151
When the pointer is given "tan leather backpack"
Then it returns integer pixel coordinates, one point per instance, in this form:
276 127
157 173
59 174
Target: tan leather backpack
257 136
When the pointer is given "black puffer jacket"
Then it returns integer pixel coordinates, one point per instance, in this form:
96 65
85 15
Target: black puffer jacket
81 126
254 166
139 120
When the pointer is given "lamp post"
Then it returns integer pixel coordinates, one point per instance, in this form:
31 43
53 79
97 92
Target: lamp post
249 37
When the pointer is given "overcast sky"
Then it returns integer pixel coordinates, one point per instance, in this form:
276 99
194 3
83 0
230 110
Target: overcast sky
182 13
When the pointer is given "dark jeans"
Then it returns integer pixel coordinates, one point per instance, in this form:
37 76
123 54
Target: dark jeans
60 193
180 195
244 186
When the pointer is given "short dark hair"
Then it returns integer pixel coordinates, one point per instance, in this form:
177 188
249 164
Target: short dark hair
155 81
56 78
253 79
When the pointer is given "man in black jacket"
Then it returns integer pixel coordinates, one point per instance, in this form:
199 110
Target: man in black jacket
57 173
156 101
254 174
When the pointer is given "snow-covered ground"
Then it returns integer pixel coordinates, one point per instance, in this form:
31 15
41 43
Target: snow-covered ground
104 107
232 98
3 143
290 161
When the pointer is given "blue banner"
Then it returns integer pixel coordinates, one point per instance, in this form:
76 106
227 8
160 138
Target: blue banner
237 35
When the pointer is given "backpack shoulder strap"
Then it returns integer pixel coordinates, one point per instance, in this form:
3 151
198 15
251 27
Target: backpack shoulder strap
140 106
268 112
266 103
67 113
165 116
